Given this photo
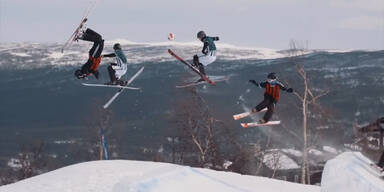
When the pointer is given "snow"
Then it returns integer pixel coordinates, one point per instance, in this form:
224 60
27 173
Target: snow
350 171
20 54
56 55
315 152
330 149
14 163
136 176
293 152
64 142
276 160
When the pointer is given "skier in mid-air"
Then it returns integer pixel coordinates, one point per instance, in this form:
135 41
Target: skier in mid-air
271 96
208 54
118 69
92 65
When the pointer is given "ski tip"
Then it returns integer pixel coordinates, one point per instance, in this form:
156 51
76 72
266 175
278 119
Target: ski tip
245 125
235 117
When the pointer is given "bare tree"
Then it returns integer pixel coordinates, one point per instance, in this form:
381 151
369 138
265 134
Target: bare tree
93 145
306 98
31 159
197 123
200 139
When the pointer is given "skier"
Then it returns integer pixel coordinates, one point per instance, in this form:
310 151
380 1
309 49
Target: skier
118 69
271 96
208 54
92 65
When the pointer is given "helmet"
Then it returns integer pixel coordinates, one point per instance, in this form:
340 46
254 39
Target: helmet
201 35
78 74
117 46
272 76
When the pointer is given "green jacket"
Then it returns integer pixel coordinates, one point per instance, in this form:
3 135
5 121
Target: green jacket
209 44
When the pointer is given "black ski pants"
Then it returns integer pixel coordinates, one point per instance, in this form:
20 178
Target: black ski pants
111 73
94 52
268 102
98 42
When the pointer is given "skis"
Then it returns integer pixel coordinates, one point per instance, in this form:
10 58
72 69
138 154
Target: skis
245 114
192 67
76 32
121 89
191 84
113 86
255 124
202 82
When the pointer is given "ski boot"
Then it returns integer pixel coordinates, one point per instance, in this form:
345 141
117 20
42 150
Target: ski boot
121 82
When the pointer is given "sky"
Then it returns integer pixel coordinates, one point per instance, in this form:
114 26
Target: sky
318 24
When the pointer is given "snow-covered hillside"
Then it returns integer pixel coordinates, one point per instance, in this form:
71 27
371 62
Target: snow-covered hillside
41 55
136 176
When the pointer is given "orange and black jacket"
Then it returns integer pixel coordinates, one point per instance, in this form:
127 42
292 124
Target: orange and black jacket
273 91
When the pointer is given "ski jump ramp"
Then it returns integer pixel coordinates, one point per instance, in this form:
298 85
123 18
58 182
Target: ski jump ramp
352 172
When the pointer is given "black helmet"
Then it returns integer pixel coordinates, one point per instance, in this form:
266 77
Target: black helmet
272 76
78 74
117 46
201 35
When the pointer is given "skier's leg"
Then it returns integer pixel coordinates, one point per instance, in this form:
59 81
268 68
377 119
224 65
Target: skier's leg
263 104
96 74
86 67
111 73
208 58
96 49
201 68
91 35
269 113
100 49
195 60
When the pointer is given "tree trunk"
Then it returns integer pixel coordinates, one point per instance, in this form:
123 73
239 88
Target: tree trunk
305 128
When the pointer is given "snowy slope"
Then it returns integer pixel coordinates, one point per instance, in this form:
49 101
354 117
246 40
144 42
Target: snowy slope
136 176
350 172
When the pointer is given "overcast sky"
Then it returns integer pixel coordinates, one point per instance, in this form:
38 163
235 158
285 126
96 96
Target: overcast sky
339 24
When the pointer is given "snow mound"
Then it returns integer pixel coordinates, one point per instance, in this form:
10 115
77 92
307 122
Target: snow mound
135 176
350 171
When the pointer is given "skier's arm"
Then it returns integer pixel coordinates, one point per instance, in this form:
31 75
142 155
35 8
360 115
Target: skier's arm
109 55
205 48
282 87
257 84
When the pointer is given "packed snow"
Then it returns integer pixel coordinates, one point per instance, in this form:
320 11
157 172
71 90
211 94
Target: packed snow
136 176
351 171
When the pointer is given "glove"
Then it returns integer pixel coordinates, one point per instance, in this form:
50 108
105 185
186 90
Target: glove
290 90
217 38
254 82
